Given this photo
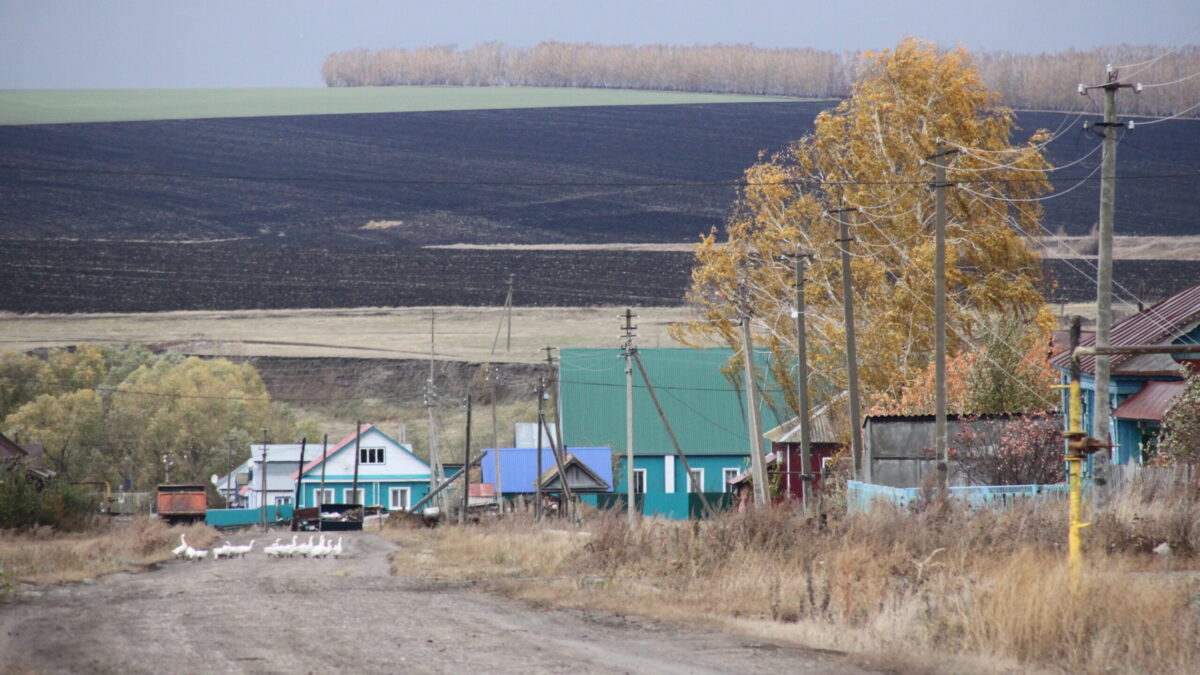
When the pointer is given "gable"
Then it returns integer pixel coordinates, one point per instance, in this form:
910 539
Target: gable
386 457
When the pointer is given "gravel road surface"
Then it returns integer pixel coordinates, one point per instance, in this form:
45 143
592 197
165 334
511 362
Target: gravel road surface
259 615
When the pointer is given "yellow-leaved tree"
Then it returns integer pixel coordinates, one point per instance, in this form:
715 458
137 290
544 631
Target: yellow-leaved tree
872 153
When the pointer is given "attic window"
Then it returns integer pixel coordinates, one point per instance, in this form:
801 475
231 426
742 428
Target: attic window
370 456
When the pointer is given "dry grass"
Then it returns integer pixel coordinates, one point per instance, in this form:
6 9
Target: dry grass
1124 247
977 591
463 333
46 556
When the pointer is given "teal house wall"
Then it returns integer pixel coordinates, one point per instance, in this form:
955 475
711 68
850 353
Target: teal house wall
398 469
705 406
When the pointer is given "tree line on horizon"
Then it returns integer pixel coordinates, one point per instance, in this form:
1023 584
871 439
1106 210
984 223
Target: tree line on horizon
1045 81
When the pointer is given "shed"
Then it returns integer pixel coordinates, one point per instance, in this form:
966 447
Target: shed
580 479
518 466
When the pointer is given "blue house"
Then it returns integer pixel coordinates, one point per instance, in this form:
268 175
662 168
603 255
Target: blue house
389 474
1141 387
519 467
705 405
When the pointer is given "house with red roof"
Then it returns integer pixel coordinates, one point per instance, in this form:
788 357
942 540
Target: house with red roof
389 474
1142 387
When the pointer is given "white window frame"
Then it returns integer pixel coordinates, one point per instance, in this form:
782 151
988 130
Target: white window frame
404 503
372 456
347 496
728 474
639 481
283 501
320 498
690 485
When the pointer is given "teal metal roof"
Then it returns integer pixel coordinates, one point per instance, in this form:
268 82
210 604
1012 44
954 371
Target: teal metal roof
706 410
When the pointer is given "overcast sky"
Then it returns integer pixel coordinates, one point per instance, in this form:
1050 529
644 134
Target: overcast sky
55 44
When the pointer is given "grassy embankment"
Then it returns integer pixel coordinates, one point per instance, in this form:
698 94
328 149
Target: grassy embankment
47 556
975 591
125 105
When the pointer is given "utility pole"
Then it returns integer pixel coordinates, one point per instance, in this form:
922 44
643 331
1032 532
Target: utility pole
1108 199
229 478
557 448
844 214
435 461
537 505
492 376
940 444
505 313
758 463
628 349
357 454
800 256
466 499
262 483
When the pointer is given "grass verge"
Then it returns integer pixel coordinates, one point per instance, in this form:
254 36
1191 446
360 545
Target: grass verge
47 556
968 590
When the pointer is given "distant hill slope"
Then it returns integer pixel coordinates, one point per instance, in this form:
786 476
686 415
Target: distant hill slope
655 173
127 105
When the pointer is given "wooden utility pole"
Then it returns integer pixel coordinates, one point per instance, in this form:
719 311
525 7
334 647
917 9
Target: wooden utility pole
537 505
229 478
708 510
492 375
566 498
321 501
556 448
628 349
758 463
1101 409
505 314
940 444
801 259
357 439
466 500
843 217
299 479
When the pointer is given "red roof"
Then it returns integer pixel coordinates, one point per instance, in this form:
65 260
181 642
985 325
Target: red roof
330 452
1151 402
1158 324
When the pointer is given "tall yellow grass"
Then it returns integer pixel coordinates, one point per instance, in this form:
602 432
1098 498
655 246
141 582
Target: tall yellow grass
939 583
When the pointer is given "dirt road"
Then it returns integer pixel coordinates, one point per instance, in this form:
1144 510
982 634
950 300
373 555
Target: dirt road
296 616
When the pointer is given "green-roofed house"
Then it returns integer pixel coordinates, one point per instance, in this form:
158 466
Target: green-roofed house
706 408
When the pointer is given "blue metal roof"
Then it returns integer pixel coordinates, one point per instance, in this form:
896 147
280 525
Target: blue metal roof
518 466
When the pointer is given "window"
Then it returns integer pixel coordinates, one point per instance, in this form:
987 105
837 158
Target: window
398 498
370 455
326 498
696 481
348 496
729 475
283 501
639 481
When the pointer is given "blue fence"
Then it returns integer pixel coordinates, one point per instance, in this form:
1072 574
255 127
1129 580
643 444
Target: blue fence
860 496
244 517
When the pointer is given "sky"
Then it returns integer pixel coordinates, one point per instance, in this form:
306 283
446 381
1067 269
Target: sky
102 44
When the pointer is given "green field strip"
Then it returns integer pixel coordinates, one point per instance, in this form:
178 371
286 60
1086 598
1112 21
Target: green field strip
127 105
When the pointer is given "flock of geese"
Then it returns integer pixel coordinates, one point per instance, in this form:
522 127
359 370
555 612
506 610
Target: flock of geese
312 549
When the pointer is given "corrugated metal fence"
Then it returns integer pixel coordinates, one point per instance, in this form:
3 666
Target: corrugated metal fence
860 496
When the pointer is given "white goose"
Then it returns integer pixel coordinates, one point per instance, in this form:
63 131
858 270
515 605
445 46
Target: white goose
225 551
196 554
337 549
305 549
288 549
273 551
322 548
241 551
181 550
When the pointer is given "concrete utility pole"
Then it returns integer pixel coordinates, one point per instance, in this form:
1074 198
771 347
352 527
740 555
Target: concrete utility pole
262 482
493 374
628 349
466 499
537 505
940 443
844 214
758 463
505 313
800 257
435 461
1108 199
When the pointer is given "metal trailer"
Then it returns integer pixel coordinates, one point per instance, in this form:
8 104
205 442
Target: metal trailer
181 503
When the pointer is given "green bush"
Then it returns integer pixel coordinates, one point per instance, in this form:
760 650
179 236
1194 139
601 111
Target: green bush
26 502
